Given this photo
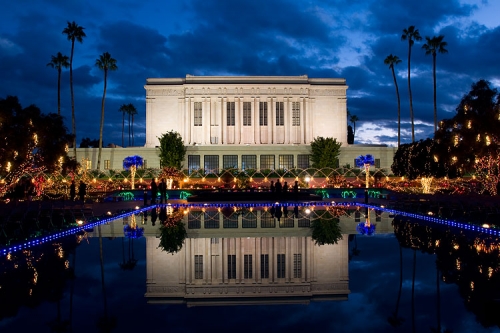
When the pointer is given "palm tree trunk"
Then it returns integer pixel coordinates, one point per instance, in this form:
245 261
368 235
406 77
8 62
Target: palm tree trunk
73 122
399 105
409 93
102 119
59 91
434 77
123 127
129 129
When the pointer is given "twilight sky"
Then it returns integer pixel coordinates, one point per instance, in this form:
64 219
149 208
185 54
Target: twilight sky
336 38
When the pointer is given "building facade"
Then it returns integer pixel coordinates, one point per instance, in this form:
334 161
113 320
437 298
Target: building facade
244 122
246 110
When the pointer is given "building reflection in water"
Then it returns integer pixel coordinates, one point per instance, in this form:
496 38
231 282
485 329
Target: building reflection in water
247 270
248 256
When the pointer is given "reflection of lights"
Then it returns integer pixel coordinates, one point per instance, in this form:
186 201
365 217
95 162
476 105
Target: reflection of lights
79 222
137 207
307 179
430 213
108 213
308 211
486 225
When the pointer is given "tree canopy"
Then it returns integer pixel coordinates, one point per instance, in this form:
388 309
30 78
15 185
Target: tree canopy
30 139
325 152
172 150
474 130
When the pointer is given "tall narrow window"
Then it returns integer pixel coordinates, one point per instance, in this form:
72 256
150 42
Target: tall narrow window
197 114
295 113
286 162
230 113
280 114
267 162
248 162
229 161
247 114
231 266
193 163
303 161
264 266
211 163
297 265
263 113
247 269
198 267
281 266
106 164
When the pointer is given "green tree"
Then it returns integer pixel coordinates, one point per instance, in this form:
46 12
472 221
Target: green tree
474 130
421 159
411 35
88 143
172 237
42 145
433 46
106 63
325 152
172 150
58 62
74 32
392 60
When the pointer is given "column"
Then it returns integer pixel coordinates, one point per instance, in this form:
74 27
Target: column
207 267
258 138
182 121
302 137
239 120
239 261
223 123
150 140
273 120
255 120
287 119
185 116
190 119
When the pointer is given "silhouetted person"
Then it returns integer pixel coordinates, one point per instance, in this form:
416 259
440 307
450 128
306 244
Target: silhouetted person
72 191
272 211
296 211
82 190
163 191
296 190
271 187
154 191
285 210
285 189
154 216
278 186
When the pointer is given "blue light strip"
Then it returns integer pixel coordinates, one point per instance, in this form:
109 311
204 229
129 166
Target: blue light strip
71 231
43 239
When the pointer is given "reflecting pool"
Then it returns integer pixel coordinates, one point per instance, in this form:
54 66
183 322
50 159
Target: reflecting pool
256 269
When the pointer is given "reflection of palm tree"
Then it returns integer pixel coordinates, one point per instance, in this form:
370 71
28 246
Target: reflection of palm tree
413 291
105 323
396 321
438 302
131 261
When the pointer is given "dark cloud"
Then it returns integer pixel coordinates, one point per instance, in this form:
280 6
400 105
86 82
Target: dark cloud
264 37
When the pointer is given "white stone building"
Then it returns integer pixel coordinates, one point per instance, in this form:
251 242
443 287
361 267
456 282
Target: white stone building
247 122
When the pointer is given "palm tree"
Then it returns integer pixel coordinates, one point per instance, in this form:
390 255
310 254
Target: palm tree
58 62
433 46
353 119
74 32
392 60
411 35
133 112
123 110
106 63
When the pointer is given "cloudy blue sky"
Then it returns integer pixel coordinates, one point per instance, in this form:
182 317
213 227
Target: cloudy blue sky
336 38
